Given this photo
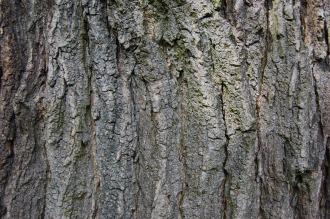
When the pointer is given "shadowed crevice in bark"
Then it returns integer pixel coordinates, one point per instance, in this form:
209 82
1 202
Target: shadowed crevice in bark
325 197
226 181
259 105
6 162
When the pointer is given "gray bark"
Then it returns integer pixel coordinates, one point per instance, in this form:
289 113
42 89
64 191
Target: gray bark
164 109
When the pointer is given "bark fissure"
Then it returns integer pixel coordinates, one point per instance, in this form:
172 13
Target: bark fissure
225 193
324 199
259 99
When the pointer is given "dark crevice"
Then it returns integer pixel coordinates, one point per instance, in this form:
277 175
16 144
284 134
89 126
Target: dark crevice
303 14
132 84
325 189
134 151
181 200
300 191
317 100
224 9
326 35
264 61
7 157
161 6
182 84
324 202
225 171
207 15
48 176
325 197
84 40
1 73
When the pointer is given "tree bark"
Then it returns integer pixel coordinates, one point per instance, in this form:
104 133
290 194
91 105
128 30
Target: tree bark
164 109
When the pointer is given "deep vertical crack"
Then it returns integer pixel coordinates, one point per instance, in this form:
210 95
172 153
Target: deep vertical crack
264 62
225 172
324 201
182 154
326 36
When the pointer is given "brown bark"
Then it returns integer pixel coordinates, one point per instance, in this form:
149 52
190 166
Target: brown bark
164 109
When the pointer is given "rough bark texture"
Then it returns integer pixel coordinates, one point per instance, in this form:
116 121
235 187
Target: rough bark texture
164 109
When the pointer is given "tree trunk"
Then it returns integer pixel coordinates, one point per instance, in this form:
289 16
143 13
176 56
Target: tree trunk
164 109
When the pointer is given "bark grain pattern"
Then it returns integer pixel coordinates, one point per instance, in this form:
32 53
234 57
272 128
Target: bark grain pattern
164 109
